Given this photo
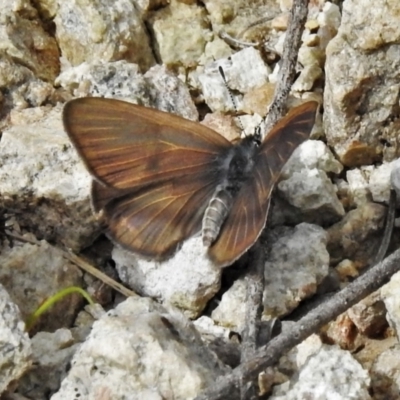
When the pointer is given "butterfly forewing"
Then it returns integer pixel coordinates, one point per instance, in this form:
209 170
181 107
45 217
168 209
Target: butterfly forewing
127 146
249 212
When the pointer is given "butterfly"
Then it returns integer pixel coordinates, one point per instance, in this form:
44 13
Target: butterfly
160 179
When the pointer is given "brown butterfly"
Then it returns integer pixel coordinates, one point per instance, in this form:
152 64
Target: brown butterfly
160 179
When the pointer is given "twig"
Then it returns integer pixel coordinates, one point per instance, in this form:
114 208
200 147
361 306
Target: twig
340 302
98 274
235 42
255 287
297 19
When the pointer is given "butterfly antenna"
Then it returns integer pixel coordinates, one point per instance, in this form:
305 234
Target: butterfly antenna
221 71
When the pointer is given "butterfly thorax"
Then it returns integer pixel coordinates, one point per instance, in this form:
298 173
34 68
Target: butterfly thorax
235 168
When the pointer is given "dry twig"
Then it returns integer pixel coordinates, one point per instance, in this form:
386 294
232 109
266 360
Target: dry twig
297 19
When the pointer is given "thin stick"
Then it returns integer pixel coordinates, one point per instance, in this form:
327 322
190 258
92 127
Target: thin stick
81 263
255 287
297 19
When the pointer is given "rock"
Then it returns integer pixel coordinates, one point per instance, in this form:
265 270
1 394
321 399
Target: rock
370 183
312 154
369 316
312 191
170 26
32 273
320 378
188 280
308 76
358 191
52 353
43 183
16 351
297 262
357 236
141 349
222 341
359 104
385 375
20 88
24 40
243 71
231 310
306 186
158 88
91 30
379 182
392 301
342 332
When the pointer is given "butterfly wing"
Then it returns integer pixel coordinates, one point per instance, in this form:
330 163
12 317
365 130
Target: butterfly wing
127 146
155 171
248 214
155 220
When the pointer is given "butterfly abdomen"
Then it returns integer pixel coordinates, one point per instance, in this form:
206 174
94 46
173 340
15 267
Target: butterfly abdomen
215 214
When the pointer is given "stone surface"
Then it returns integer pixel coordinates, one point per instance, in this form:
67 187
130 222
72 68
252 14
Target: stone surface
32 274
320 378
296 263
389 294
231 310
16 351
385 375
188 280
312 154
158 88
370 183
243 71
52 353
311 190
170 27
20 88
369 315
306 186
24 40
142 350
361 100
357 236
91 30
357 189
43 183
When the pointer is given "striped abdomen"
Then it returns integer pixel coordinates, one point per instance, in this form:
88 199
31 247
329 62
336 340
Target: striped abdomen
215 215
